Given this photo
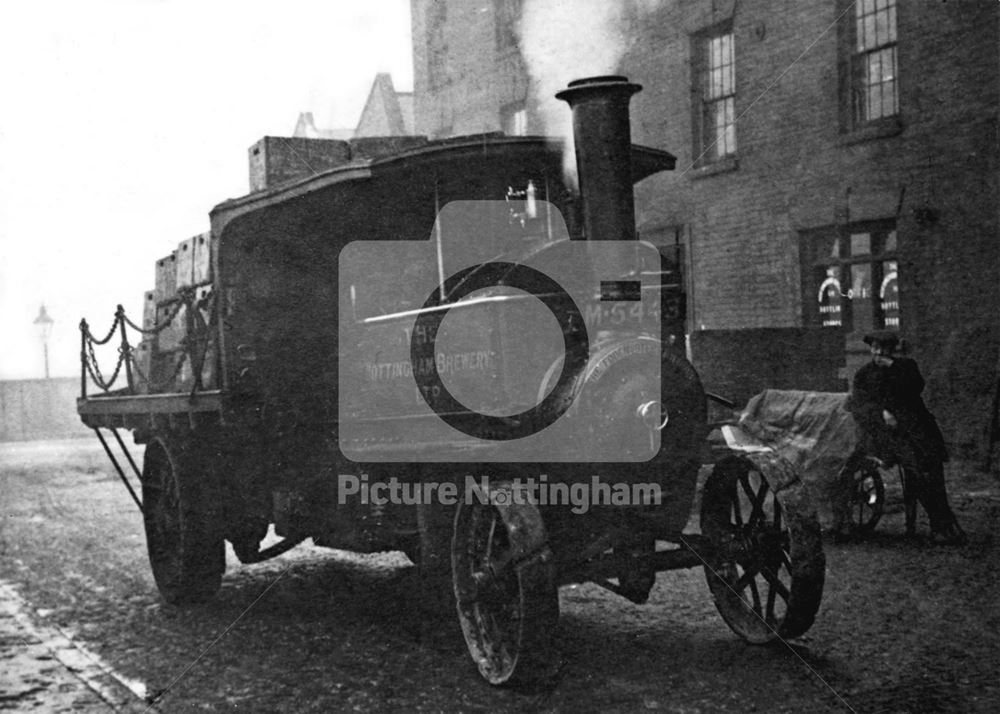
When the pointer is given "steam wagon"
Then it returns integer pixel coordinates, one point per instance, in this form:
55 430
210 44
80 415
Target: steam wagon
450 349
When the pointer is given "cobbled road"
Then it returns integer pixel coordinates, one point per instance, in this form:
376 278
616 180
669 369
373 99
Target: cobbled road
904 627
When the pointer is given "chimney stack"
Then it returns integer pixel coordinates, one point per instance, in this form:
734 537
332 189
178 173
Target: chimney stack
603 141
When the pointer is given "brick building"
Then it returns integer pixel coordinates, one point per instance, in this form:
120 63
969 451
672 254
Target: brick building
837 170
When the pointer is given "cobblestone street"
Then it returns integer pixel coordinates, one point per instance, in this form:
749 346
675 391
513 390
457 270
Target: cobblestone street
904 627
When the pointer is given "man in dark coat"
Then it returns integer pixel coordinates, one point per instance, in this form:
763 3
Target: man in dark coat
895 425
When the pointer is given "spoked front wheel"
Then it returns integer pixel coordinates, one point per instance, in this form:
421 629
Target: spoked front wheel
504 579
766 566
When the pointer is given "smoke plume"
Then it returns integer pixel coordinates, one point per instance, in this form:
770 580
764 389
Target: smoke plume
562 40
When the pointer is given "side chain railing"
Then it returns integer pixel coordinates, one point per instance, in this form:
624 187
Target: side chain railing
197 329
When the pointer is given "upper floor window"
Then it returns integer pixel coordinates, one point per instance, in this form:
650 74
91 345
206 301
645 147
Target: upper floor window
514 119
874 79
507 14
716 82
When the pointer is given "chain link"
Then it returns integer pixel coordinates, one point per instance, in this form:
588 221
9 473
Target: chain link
157 328
94 369
126 352
111 332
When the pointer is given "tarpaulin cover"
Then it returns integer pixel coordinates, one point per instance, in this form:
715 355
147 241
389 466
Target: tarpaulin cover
812 430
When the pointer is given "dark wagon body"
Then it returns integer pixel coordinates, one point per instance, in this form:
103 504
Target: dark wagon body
284 358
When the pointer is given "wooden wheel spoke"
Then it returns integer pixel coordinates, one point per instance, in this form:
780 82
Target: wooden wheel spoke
755 594
786 561
757 504
737 509
776 585
744 580
769 615
756 498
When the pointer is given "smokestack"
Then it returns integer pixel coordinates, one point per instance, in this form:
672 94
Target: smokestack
603 140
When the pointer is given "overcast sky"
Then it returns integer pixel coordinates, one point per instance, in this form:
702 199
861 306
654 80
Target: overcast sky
124 121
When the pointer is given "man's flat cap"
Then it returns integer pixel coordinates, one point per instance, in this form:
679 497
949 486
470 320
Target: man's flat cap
889 338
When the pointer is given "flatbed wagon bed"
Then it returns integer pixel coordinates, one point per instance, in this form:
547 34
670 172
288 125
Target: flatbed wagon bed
118 410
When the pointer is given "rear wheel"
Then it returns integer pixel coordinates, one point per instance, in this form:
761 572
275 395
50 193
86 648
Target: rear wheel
182 517
766 565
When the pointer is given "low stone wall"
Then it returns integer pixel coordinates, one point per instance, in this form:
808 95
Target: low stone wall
33 409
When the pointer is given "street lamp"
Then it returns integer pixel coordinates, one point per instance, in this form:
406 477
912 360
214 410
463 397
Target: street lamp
44 324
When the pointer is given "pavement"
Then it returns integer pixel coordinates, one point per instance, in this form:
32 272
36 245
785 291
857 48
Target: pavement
42 669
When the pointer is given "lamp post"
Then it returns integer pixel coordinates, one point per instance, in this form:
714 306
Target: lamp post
44 324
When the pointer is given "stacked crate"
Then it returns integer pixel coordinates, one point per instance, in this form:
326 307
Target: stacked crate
144 350
188 268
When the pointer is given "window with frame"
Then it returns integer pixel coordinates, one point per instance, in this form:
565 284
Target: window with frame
851 277
506 14
716 82
874 62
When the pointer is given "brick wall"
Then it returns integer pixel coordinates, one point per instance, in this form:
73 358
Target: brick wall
738 364
798 168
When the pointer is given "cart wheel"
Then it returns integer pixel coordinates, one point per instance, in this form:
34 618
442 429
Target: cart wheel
766 568
504 579
867 494
183 534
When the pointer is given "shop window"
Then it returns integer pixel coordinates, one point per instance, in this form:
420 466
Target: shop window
851 277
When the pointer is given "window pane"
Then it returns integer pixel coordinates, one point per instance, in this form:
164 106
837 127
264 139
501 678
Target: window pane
873 103
887 64
730 126
889 295
890 242
830 298
881 28
861 282
869 37
720 129
888 99
860 294
873 68
715 84
892 23
861 244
